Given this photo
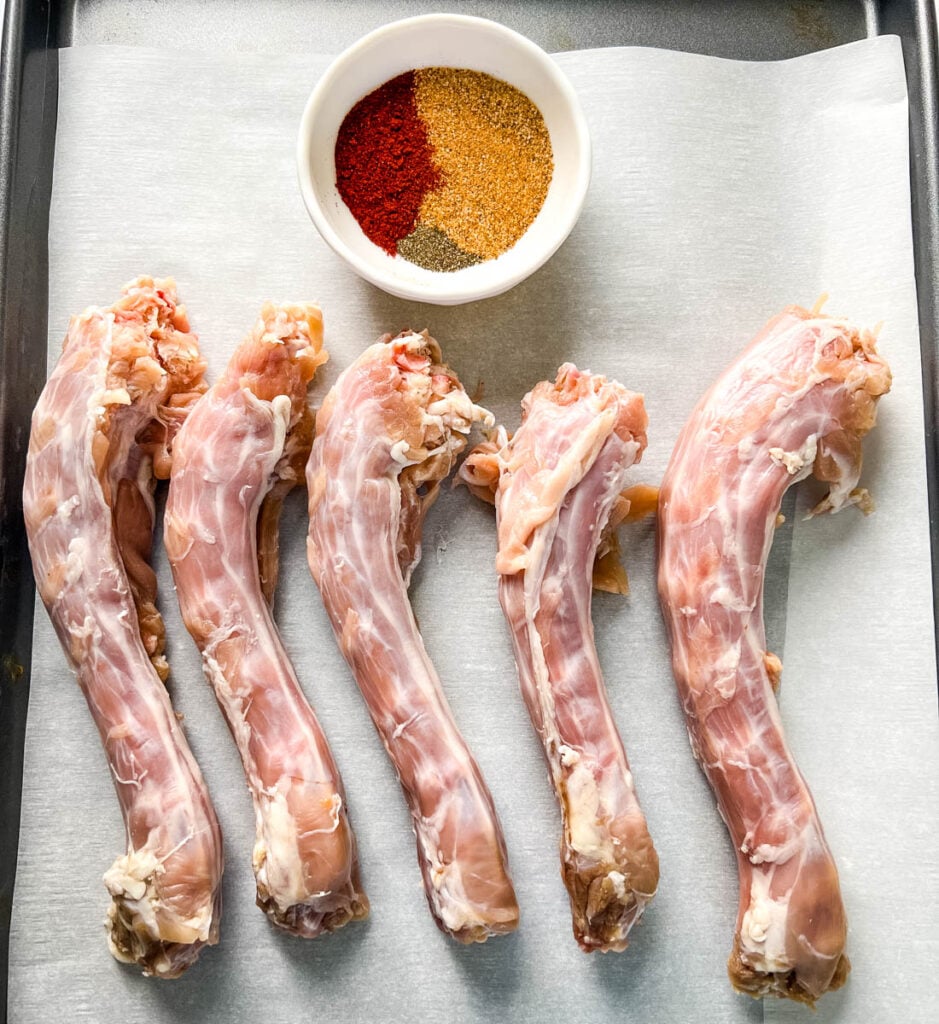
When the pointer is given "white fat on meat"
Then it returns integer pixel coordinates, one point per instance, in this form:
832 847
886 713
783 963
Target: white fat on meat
554 485
797 401
387 434
102 431
240 452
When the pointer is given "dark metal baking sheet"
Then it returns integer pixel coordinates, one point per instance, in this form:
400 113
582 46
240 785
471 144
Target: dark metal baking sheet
29 91
33 29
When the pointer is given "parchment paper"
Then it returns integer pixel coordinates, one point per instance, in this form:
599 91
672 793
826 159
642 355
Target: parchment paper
721 192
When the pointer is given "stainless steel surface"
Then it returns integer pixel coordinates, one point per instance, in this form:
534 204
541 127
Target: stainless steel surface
744 29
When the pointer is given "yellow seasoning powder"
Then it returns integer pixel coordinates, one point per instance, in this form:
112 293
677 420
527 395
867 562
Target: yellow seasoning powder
492 146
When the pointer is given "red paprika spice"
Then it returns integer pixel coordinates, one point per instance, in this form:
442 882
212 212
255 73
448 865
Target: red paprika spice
384 162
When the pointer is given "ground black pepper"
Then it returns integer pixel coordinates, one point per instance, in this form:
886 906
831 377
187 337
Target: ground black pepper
431 248
445 167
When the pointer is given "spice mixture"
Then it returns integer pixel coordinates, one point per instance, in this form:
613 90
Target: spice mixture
383 162
444 167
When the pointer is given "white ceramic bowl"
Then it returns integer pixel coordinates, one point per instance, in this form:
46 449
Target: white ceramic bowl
443 40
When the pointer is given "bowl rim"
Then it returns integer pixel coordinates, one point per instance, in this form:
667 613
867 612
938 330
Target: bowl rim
446 293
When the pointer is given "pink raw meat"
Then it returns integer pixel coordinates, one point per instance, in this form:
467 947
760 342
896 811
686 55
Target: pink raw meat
388 432
557 486
101 435
797 401
241 450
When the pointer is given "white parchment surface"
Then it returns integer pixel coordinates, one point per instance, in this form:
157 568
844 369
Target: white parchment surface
721 192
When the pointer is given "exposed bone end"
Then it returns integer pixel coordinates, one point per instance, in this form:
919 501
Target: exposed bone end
608 898
785 984
144 930
604 913
480 932
792 946
305 861
468 902
323 913
498 922
470 896
157 958
487 910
